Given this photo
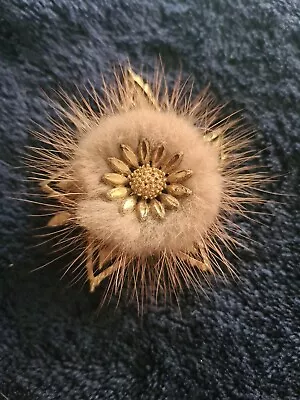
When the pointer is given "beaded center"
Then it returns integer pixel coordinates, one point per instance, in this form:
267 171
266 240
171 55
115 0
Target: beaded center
147 182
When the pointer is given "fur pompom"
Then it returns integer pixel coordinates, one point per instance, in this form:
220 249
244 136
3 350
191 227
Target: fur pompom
152 180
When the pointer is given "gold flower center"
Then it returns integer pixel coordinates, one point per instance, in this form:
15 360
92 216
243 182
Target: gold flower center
147 182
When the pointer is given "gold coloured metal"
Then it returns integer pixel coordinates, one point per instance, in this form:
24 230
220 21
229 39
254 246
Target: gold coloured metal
145 87
169 201
147 180
128 204
157 208
176 189
144 151
143 210
172 164
59 219
129 156
115 179
180 176
118 166
119 192
158 155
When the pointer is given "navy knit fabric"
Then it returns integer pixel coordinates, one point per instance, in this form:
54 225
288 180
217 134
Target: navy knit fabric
239 340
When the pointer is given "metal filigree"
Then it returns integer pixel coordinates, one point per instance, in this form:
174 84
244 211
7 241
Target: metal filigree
148 181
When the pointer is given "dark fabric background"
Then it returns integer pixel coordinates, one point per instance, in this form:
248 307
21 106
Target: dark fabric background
242 339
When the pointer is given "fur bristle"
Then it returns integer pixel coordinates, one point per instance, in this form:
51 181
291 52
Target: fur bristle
155 255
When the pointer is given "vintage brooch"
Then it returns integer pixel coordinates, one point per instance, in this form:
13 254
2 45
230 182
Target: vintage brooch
147 181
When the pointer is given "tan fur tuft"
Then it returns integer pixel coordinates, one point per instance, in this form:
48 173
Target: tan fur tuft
157 255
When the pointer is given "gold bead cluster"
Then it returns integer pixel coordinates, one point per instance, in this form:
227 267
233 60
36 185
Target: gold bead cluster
147 182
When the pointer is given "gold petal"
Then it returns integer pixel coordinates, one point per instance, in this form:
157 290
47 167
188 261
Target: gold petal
213 135
157 208
114 179
129 156
180 176
59 219
119 192
142 210
172 164
118 166
169 201
105 255
176 189
144 151
202 265
158 155
64 184
128 204
138 80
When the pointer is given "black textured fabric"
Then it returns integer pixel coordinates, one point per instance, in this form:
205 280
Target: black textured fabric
242 339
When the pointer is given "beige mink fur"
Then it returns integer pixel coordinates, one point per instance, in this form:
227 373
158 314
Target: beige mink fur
156 254
181 229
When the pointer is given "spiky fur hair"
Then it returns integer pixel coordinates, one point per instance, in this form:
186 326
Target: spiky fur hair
156 256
